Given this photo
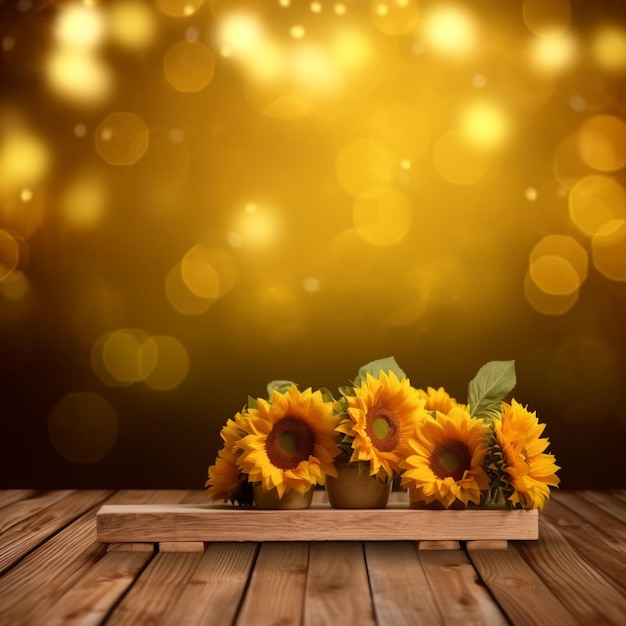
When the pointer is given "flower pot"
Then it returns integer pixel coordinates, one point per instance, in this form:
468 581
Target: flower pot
354 490
290 500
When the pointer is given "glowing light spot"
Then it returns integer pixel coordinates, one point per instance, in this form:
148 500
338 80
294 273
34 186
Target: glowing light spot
352 51
131 24
479 81
485 125
80 130
546 17
209 273
395 18
450 31
181 298
547 304
311 284
192 34
24 161
16 286
234 239
316 7
257 226
608 48
609 250
189 66
402 129
565 247
79 27
122 138
553 54
284 3
382 217
82 427
577 103
26 195
78 76
179 8
531 194
83 202
602 142
314 71
122 356
241 34
171 362
595 201
365 164
554 275
458 161
297 32
9 254
340 8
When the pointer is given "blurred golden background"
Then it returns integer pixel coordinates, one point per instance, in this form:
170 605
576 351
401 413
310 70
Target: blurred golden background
200 196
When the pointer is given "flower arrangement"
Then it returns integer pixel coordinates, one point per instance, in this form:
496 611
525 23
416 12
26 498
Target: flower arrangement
286 443
486 453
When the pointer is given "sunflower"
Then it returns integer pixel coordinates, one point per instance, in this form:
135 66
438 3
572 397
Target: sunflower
530 470
381 417
446 464
225 481
438 399
291 442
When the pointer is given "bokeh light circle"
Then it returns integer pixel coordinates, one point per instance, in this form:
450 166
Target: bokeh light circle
602 142
382 216
609 250
122 138
189 66
83 427
594 201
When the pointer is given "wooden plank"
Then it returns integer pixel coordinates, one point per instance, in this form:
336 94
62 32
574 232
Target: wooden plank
601 551
439 545
460 596
157 589
30 505
26 535
94 595
181 546
590 596
215 588
127 523
276 591
9 496
34 585
400 591
607 502
602 520
337 588
487 545
131 547
520 592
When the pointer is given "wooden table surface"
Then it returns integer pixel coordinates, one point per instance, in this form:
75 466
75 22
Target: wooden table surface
54 571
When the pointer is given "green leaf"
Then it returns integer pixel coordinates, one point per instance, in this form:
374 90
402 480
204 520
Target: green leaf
252 403
327 394
490 386
374 368
279 385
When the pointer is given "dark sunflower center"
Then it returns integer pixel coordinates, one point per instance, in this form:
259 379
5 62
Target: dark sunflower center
450 458
290 442
382 426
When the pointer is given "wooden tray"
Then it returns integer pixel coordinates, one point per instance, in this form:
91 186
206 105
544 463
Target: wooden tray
163 523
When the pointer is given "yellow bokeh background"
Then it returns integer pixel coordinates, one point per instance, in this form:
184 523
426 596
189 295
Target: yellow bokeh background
231 192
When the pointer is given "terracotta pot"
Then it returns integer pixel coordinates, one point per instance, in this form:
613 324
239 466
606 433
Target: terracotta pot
290 500
351 490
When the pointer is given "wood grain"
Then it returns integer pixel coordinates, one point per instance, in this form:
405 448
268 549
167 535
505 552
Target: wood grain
89 601
9 496
400 591
157 590
460 596
524 597
215 588
128 523
337 589
275 595
576 583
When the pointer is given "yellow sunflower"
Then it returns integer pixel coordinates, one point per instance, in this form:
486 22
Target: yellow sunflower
225 480
381 418
531 471
446 464
291 442
438 399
